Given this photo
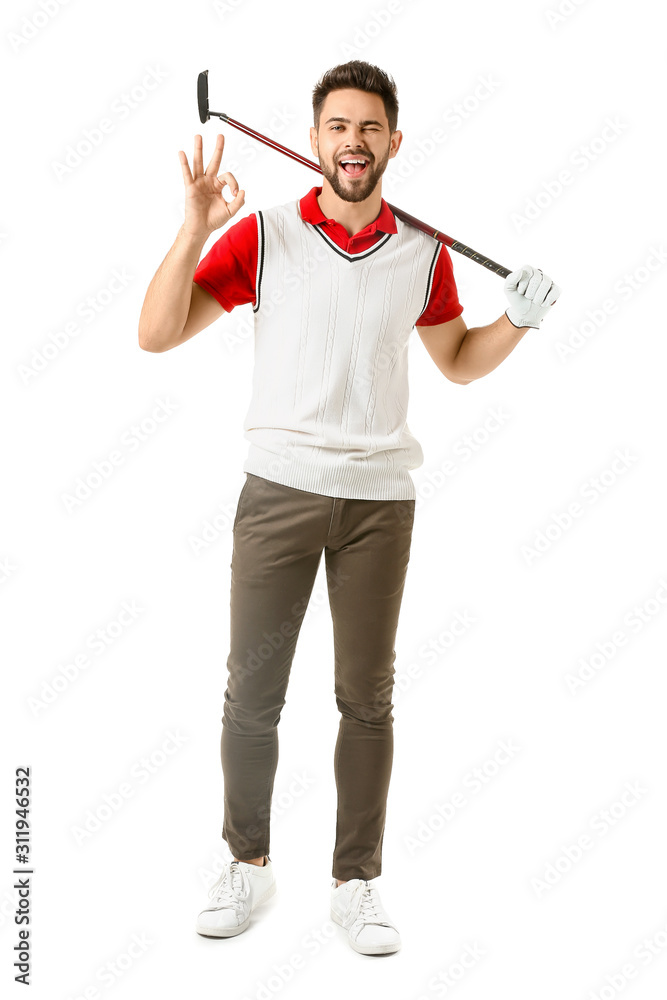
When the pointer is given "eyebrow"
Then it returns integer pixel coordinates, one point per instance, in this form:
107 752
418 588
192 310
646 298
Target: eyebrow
369 121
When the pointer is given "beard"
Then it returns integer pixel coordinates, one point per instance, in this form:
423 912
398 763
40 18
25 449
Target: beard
354 189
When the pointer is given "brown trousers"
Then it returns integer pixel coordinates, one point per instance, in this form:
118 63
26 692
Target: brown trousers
278 536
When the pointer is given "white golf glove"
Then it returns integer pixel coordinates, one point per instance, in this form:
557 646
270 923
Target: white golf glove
531 295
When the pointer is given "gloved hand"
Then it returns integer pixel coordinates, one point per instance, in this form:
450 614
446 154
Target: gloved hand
531 295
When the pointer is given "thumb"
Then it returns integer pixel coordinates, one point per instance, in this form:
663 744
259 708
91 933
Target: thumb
513 279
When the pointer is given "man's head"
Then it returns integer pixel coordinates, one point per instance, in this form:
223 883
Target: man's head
355 110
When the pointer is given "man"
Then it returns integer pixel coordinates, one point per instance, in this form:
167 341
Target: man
337 285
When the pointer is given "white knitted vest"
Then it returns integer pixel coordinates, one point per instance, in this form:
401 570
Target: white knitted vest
330 380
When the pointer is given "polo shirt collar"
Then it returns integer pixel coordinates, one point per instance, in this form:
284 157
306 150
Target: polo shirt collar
311 212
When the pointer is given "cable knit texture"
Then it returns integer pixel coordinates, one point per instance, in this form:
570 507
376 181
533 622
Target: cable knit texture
328 412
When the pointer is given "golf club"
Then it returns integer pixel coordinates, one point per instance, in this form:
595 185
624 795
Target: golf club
205 114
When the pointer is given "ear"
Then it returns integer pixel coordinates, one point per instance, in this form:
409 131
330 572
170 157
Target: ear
396 139
313 140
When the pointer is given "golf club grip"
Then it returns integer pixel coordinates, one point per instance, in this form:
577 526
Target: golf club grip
479 259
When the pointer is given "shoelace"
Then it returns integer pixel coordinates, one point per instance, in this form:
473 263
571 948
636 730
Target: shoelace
231 888
365 907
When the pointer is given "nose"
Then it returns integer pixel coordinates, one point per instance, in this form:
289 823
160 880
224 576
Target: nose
354 137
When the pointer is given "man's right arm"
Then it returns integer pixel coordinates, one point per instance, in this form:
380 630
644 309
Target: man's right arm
175 308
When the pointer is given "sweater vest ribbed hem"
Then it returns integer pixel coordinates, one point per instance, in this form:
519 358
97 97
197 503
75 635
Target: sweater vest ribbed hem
367 480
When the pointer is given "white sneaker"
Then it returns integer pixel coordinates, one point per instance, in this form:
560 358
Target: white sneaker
240 888
356 906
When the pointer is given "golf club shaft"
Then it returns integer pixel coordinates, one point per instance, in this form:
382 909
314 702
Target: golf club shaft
491 265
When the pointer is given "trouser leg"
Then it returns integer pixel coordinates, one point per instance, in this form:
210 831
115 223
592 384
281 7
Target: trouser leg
278 539
366 572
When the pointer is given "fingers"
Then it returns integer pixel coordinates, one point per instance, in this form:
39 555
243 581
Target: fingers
185 167
552 296
512 280
543 289
236 203
531 292
198 163
229 180
543 295
238 195
533 284
197 159
528 279
214 162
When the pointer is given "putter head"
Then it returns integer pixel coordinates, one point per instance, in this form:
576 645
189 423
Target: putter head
202 96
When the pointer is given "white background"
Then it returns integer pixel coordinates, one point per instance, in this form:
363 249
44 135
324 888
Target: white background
473 881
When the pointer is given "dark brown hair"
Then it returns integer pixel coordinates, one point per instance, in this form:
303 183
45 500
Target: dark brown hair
358 75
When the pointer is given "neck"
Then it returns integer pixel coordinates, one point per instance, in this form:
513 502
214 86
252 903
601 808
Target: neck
352 215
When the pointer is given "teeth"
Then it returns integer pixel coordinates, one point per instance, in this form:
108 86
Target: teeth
354 161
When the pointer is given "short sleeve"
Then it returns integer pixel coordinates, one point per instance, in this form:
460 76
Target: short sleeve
229 269
443 304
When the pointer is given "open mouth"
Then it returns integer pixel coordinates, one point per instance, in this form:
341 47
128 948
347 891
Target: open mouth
354 166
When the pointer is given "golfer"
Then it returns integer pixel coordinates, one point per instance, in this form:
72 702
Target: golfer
337 284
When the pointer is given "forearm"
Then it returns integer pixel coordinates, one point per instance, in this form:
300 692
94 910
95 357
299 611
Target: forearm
167 302
484 347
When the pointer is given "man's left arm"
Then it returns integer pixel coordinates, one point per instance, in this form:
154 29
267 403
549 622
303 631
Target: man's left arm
464 355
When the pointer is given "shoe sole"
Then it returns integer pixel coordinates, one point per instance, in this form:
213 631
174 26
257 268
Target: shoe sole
378 949
233 931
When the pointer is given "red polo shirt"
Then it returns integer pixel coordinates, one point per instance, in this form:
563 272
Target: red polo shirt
229 268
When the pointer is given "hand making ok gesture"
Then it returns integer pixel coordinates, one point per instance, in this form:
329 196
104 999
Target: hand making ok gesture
205 207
